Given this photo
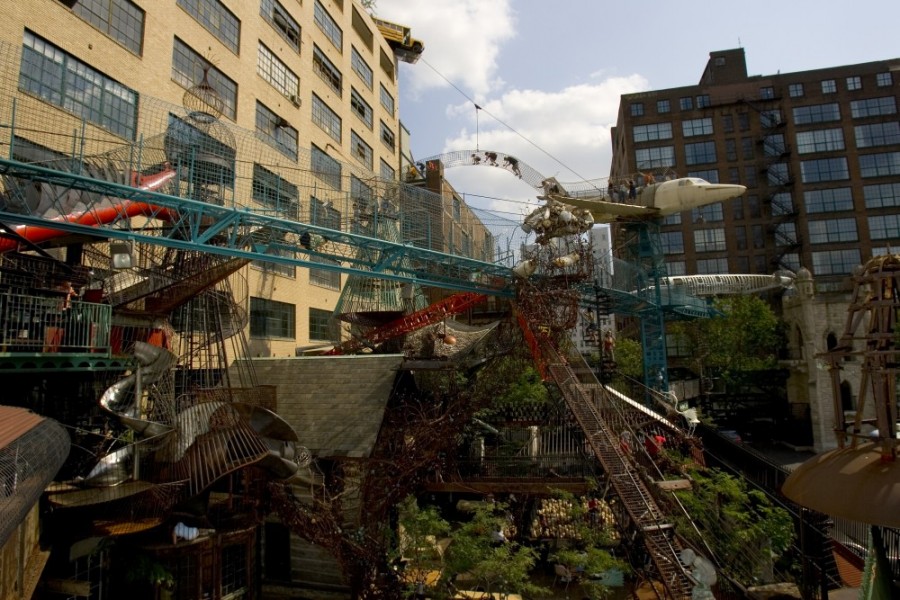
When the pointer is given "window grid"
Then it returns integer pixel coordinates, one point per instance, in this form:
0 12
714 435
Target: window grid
731 149
712 266
652 132
829 86
660 156
694 127
879 165
676 267
766 93
782 204
188 69
360 67
281 20
328 26
361 150
700 153
387 136
277 74
830 200
275 192
820 140
663 106
324 214
320 327
795 90
817 113
711 213
883 195
710 175
873 107
832 231
387 100
686 103
325 168
825 169
854 83
275 267
884 79
326 70
773 145
121 20
272 319
877 134
835 262
703 101
66 82
360 107
387 171
327 120
637 109
728 123
217 19
884 227
709 240
324 278
770 118
276 131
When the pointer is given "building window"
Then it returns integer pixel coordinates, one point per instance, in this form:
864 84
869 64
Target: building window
671 242
216 19
728 123
650 158
325 168
361 150
320 325
362 30
703 101
753 209
737 208
742 264
734 175
795 90
387 64
234 570
360 107
277 74
710 175
326 70
676 267
323 214
782 204
879 165
766 93
272 319
883 195
877 134
770 118
854 83
330 279
829 86
275 193
281 20
774 146
387 171
673 219
819 113
777 174
700 153
744 121
884 79
360 67
637 109
663 107
711 213
750 176
730 149
326 119
785 234
686 103
884 227
188 69
825 169
835 262
387 136
66 82
328 26
740 240
277 268
709 240
652 132
820 140
832 231
830 200
759 237
122 20
693 127
873 107
276 130
387 100
712 266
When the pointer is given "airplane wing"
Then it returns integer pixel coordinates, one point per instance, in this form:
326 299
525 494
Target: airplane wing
607 212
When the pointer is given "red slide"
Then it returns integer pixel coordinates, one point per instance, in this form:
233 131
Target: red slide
99 216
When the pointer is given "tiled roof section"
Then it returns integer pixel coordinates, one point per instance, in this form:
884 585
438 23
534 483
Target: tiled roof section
334 403
14 422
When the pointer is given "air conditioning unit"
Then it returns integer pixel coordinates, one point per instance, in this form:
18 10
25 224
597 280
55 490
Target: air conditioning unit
295 99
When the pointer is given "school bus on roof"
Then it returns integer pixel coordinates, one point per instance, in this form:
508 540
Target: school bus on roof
407 48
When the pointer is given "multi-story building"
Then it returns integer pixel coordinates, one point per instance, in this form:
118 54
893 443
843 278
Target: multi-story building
819 152
315 81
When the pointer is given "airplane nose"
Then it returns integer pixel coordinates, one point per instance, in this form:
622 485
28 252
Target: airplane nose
722 191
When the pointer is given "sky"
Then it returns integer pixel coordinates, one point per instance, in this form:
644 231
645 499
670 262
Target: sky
548 74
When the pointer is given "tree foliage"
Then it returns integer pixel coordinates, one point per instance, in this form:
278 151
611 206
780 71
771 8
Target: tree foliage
747 337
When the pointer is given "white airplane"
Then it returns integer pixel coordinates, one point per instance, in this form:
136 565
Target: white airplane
653 201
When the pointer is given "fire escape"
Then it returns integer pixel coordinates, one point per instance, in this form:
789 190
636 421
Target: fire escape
779 186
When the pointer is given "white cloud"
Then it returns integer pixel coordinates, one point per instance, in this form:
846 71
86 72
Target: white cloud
462 40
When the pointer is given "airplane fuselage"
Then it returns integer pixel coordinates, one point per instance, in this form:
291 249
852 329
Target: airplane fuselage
676 195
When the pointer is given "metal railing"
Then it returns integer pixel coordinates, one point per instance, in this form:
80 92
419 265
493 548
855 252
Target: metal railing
52 324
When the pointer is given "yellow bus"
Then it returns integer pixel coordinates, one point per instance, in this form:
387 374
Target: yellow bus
398 36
